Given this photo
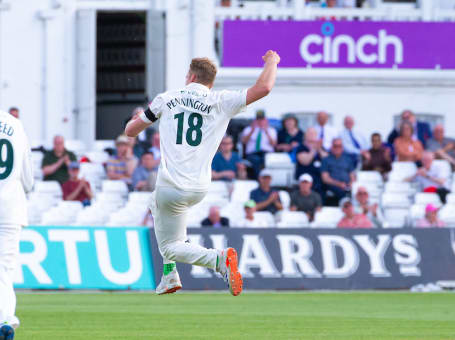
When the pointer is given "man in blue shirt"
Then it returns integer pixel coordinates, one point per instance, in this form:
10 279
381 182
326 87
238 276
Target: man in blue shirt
144 176
266 199
226 164
337 173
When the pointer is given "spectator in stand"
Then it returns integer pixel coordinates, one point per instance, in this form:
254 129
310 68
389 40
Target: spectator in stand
226 164
290 136
266 199
337 173
429 177
350 218
354 141
55 162
431 218
14 111
258 138
137 147
250 220
407 149
122 165
378 157
76 189
309 158
443 147
325 132
420 130
372 211
214 219
155 149
304 199
144 176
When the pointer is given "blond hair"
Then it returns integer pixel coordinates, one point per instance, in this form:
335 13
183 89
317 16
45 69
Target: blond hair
204 69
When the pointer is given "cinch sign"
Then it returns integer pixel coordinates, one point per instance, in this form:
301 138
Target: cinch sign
344 44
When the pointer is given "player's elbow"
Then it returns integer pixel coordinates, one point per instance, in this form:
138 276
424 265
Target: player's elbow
265 89
129 131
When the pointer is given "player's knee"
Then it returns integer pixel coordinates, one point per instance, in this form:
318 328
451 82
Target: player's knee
167 251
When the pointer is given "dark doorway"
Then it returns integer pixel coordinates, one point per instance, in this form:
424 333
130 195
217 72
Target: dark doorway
120 70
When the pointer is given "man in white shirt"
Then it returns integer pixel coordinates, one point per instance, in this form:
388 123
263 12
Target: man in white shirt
193 120
259 138
325 132
16 178
354 142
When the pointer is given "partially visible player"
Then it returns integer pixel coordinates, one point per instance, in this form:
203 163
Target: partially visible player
193 120
16 178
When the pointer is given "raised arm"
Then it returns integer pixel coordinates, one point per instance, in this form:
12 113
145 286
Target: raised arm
135 126
266 80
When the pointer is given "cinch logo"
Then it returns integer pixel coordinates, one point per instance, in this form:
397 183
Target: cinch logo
326 48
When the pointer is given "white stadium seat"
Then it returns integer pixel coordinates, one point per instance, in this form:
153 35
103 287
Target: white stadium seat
101 145
447 214
327 217
399 187
219 188
395 217
281 167
444 167
241 190
402 170
140 197
417 212
266 217
50 188
75 145
285 199
424 198
289 219
395 200
373 177
234 211
278 160
97 157
112 186
91 216
281 177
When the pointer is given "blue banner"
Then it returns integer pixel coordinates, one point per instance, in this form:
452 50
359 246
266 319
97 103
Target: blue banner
84 258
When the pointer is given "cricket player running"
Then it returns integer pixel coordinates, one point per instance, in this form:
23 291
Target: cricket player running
16 178
193 120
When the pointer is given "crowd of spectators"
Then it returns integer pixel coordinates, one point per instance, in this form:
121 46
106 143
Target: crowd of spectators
326 161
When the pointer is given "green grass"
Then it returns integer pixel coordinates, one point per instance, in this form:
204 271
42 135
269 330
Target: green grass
278 316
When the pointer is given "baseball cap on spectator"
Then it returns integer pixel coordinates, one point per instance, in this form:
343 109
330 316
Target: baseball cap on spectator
344 201
122 139
430 208
265 172
260 114
250 204
306 178
73 165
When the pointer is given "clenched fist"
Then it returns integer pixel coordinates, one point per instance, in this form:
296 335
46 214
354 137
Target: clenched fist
271 57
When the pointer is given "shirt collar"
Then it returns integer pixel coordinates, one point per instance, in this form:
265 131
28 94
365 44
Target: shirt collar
197 86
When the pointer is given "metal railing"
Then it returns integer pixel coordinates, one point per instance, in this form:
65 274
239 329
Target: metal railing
297 11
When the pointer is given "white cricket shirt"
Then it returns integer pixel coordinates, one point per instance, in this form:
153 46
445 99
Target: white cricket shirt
193 120
16 172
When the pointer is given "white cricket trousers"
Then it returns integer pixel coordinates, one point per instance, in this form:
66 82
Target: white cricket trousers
170 208
9 251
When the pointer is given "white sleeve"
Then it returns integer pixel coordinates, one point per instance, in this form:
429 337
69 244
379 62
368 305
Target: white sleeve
156 106
27 167
233 102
